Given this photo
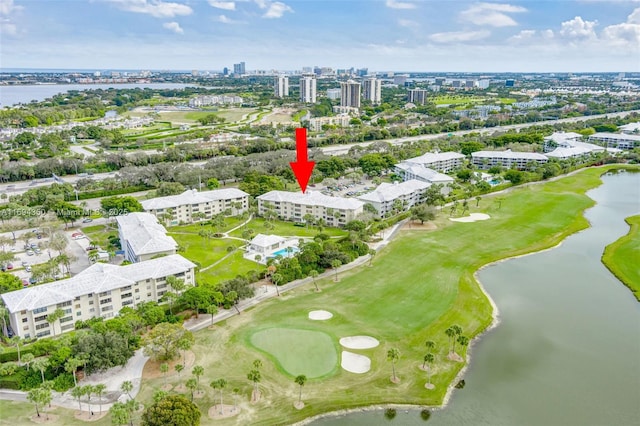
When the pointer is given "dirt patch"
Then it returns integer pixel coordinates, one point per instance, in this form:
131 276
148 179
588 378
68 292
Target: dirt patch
417 226
455 357
180 388
44 418
394 380
227 411
429 386
198 394
152 368
255 396
299 405
167 387
86 416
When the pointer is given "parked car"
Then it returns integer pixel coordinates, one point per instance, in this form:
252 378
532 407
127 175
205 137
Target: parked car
34 245
32 281
91 248
29 252
25 282
87 220
37 250
9 266
28 268
25 263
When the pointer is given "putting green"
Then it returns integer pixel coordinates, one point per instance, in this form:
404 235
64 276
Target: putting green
307 352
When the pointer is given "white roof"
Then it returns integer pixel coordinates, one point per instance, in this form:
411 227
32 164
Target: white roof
433 157
98 278
424 173
616 136
144 234
559 137
312 198
262 240
192 196
631 127
391 191
509 155
575 151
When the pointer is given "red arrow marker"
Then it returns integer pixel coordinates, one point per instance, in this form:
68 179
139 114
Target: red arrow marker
302 168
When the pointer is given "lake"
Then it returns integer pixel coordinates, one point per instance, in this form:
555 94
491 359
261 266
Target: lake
13 95
567 350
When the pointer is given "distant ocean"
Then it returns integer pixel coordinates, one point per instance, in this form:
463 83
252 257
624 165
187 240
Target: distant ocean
13 95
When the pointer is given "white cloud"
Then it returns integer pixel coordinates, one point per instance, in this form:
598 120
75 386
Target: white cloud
394 4
492 14
173 26
523 35
7 26
276 10
226 5
577 28
459 36
547 34
407 23
262 4
7 7
155 8
634 18
625 34
224 19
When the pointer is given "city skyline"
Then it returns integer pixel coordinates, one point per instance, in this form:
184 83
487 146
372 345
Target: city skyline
431 36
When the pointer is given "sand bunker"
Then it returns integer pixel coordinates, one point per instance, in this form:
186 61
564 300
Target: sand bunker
359 342
473 217
355 363
320 315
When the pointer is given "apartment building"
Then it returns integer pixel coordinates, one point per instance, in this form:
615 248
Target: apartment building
99 291
308 85
418 96
389 197
142 237
441 161
411 171
350 94
616 140
372 89
183 208
561 140
294 206
508 159
281 86
341 120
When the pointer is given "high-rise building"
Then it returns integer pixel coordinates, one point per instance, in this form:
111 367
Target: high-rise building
400 79
308 88
418 96
371 89
225 71
350 94
281 86
239 68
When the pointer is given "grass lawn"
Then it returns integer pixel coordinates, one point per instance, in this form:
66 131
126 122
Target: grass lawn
231 267
229 223
201 250
286 229
622 256
456 100
418 286
233 115
184 116
307 352
14 413
99 236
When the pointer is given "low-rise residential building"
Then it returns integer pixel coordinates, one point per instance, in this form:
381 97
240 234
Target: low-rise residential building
389 198
265 244
440 161
616 140
631 128
560 140
142 237
99 291
193 206
341 120
508 159
409 171
294 206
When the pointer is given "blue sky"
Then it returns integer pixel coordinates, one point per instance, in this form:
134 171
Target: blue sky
398 35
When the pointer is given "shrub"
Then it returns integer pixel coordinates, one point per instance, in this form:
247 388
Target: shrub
390 413
63 382
425 414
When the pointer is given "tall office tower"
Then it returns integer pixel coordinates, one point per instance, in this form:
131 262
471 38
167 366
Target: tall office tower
281 86
239 68
361 72
417 96
225 71
308 88
350 94
400 79
371 88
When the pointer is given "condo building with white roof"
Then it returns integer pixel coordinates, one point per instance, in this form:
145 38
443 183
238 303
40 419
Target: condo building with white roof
441 161
388 197
508 159
294 206
616 140
99 291
409 171
142 237
182 207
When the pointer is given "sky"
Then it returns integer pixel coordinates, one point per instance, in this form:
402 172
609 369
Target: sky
382 35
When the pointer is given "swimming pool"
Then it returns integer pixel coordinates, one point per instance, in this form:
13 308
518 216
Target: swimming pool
494 182
283 252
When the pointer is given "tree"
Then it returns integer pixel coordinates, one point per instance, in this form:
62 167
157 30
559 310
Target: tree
429 358
450 332
40 364
88 390
171 410
463 341
192 385
78 392
17 342
254 376
198 371
164 369
335 264
393 355
179 368
478 198
276 279
39 397
71 366
458 331
53 317
4 313
213 311
314 274
219 384
119 414
162 341
127 387
176 284
300 380
423 213
9 282
212 183
99 390
184 344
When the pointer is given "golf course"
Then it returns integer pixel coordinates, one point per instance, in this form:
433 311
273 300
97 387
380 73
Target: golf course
418 286
621 257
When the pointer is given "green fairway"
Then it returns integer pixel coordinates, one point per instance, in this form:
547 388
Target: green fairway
15 413
307 352
622 257
286 229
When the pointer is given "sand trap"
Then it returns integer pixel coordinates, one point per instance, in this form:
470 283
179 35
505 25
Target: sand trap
355 363
473 217
359 342
320 315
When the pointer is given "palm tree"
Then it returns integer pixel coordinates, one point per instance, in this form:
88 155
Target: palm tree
450 332
53 317
41 364
430 344
335 264
164 369
198 371
88 390
429 358
300 380
313 274
463 341
372 254
393 355
192 385
478 198
179 368
212 310
27 359
276 278
254 376
127 387
257 364
458 331
99 389
4 312
71 366
222 383
17 342
78 392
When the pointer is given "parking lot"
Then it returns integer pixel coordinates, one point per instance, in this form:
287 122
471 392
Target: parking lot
346 188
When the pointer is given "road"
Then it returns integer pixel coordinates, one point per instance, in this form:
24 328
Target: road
344 149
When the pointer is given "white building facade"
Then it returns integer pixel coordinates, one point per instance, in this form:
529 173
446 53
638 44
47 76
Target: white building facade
372 90
508 159
442 161
142 237
308 89
281 86
388 198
